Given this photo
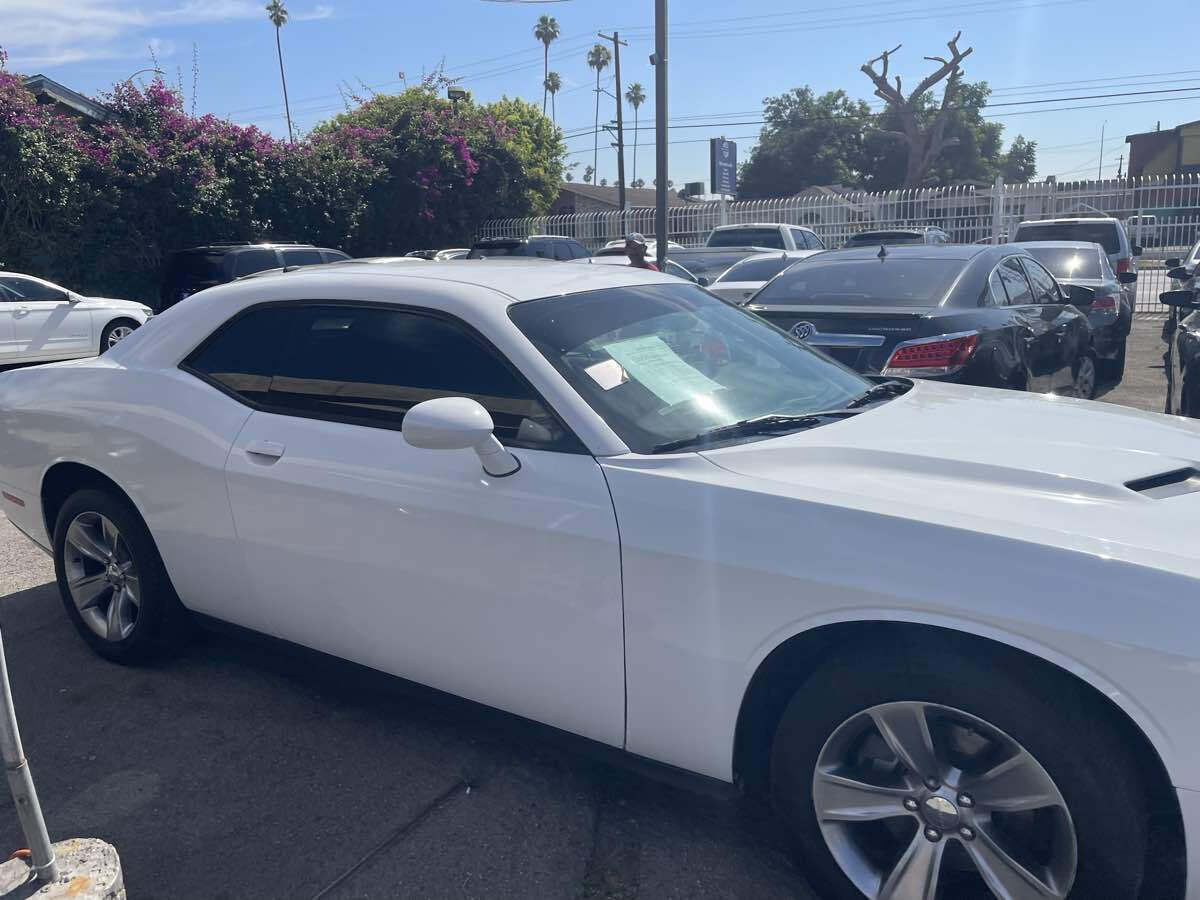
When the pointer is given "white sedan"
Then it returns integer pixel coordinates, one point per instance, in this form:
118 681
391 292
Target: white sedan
40 321
951 632
744 279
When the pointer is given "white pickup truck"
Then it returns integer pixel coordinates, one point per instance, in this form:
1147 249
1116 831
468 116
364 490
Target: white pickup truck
765 234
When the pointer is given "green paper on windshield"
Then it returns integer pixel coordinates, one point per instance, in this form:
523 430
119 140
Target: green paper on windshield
659 369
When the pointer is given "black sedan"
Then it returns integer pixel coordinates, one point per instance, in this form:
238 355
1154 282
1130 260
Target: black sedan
1186 276
1111 312
984 315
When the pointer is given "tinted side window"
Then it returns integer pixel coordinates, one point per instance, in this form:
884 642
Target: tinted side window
994 294
334 255
302 258
540 249
250 261
1045 288
240 355
562 250
578 249
28 289
815 243
368 366
1015 283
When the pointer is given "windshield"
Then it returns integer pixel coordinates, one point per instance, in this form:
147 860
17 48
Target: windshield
863 282
1102 233
879 238
709 263
758 269
1064 262
664 362
746 237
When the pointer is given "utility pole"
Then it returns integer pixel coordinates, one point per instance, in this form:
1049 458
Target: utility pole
1120 163
659 61
1100 172
617 45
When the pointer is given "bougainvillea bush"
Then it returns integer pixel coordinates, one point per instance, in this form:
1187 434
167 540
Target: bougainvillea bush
97 206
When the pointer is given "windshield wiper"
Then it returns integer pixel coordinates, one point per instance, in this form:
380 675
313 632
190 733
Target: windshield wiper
756 425
879 392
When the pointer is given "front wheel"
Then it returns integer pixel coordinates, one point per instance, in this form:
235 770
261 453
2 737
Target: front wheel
1084 384
115 332
920 773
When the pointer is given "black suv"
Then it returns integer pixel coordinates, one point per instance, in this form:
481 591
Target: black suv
546 246
189 271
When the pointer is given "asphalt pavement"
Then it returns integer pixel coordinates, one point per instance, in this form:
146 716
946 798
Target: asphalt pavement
246 769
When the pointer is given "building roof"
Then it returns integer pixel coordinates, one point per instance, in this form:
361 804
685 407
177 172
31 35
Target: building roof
1164 132
635 197
47 90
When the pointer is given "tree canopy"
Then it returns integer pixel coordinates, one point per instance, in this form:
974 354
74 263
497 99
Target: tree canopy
811 139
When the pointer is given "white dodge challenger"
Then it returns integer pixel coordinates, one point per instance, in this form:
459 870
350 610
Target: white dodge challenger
952 633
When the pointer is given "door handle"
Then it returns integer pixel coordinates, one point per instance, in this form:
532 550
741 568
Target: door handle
21 311
269 449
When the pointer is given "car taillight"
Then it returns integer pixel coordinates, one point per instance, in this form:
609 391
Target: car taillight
1104 301
934 356
1122 265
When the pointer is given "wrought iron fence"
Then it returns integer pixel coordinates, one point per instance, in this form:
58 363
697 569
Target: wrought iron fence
1161 215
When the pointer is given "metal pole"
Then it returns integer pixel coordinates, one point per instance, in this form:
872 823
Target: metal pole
997 208
1100 171
617 42
29 811
660 129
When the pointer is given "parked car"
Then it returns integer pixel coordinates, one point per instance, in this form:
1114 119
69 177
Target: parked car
891 237
743 279
948 630
1188 335
651 244
1110 314
1143 230
189 271
983 315
709 263
455 253
1106 231
546 246
41 321
610 259
767 235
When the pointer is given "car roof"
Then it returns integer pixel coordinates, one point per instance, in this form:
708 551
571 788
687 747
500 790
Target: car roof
911 251
759 225
260 245
511 280
1060 245
1067 219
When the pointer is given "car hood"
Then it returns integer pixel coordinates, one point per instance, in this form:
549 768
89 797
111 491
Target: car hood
1001 461
112 303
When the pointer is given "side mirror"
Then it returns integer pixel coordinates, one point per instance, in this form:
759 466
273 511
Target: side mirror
1078 295
703 281
1137 250
458 423
73 298
1179 273
1181 299
1174 262
1127 277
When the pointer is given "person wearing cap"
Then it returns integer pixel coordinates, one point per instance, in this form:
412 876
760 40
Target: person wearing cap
635 249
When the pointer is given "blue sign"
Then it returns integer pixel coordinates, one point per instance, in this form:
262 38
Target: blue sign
723 166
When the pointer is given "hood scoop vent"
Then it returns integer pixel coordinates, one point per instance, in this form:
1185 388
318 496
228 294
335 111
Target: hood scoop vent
1168 484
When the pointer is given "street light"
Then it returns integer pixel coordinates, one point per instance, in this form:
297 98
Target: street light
140 71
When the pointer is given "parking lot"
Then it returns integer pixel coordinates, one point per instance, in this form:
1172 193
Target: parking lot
246 769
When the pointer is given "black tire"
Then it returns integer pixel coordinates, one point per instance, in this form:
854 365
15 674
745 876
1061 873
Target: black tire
161 624
1113 370
1089 357
1095 774
106 334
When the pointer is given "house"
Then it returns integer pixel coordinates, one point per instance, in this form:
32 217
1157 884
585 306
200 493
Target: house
576 197
49 91
1174 151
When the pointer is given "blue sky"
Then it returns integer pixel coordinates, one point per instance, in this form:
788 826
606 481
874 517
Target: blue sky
725 58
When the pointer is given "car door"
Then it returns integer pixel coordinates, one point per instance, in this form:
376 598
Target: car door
1067 334
8 347
416 562
46 323
1038 344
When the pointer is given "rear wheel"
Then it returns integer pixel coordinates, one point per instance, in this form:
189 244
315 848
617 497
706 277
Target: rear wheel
1084 386
930 775
115 332
112 580
1114 369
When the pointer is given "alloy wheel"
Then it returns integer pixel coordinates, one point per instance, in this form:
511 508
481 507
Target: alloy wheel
102 576
118 334
910 796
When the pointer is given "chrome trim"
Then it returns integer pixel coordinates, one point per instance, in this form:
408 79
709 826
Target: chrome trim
926 371
820 339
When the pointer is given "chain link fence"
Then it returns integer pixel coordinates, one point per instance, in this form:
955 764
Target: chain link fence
1161 215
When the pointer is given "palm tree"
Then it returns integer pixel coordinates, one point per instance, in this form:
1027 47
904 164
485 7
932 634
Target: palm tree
597 59
278 15
545 31
635 96
553 85
588 172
